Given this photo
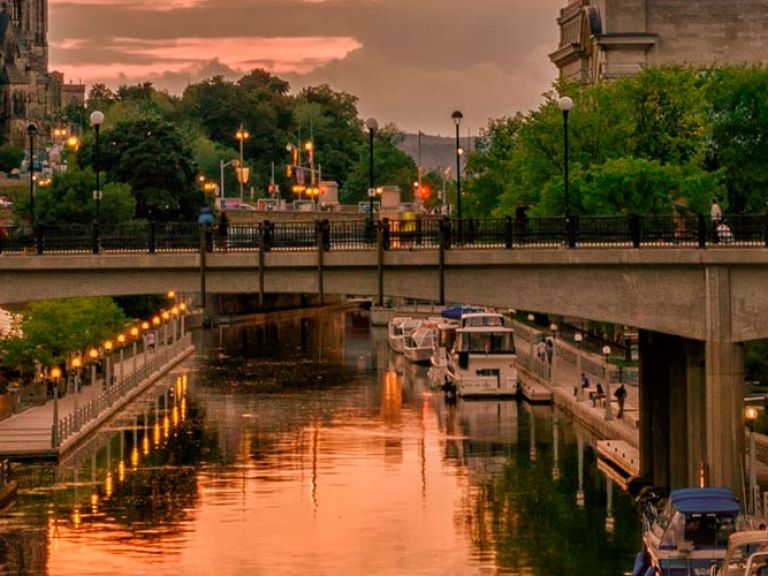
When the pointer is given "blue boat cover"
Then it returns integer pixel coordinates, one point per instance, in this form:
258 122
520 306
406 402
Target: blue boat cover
455 312
705 501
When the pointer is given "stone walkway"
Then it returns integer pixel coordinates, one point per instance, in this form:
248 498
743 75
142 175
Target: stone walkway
29 434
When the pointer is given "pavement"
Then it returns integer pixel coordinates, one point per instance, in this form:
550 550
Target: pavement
30 432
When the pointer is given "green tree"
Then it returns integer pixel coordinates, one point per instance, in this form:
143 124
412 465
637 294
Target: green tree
53 329
151 156
69 200
10 157
392 167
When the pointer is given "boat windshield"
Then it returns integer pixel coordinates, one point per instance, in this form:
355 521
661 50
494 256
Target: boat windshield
486 342
482 320
703 530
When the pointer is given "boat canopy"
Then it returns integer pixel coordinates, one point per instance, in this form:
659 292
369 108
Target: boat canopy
705 501
456 312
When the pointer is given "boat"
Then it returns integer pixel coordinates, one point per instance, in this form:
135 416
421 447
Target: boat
483 362
419 344
446 337
688 531
398 329
747 555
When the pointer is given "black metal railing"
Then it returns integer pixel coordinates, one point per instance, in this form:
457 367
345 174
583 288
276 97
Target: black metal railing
632 231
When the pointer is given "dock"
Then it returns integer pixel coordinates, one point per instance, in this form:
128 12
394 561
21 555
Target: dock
535 393
618 460
30 436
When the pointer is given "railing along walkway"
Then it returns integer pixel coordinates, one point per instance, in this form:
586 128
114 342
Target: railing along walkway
33 432
631 231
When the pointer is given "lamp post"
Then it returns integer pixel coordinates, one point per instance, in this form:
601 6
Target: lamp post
77 364
121 343
166 317
242 135
372 125
750 415
144 328
182 310
134 332
565 104
97 119
56 376
31 132
608 413
93 355
457 117
531 318
108 364
175 317
578 337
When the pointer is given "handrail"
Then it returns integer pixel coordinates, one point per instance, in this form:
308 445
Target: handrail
427 233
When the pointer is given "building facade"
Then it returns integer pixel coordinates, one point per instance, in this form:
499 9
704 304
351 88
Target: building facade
604 39
24 79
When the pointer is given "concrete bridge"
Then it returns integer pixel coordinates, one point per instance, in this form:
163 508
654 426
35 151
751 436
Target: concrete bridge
695 308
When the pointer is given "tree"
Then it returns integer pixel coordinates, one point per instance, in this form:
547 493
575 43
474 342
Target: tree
69 200
152 157
10 157
392 167
53 329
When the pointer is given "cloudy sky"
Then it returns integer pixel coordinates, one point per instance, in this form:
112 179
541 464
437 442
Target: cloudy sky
411 62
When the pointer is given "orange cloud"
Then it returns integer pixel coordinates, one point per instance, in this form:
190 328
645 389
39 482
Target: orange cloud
280 55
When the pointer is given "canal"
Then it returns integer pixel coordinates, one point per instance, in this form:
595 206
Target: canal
306 447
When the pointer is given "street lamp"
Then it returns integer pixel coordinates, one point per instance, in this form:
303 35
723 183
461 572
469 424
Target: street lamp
134 332
121 343
97 119
372 126
242 135
608 413
750 415
565 104
56 376
93 356
457 117
31 132
553 328
107 370
578 337
76 364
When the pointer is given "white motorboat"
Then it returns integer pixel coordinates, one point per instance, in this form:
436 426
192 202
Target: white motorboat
688 532
483 362
418 346
747 555
398 329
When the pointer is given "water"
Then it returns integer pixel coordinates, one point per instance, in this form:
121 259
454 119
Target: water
308 448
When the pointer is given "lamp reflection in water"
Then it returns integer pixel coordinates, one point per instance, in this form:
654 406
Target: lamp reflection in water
610 521
391 397
555 446
580 454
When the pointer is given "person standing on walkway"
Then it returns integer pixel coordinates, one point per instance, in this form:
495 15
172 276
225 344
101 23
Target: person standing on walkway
621 395
716 215
222 231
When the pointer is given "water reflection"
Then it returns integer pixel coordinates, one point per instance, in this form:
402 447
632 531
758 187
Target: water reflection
307 447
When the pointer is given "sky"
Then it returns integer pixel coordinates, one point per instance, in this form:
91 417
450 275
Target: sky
410 62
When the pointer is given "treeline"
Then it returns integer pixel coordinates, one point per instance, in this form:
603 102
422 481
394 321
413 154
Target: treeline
637 145
156 148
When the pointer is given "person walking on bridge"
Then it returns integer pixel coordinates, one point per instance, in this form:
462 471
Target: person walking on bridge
621 395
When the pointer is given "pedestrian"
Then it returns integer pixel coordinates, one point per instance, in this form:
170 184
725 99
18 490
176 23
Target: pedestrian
151 341
621 395
222 231
205 219
716 215
550 350
584 383
541 350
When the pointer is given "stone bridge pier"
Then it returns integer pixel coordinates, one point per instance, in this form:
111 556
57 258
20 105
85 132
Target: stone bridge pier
692 400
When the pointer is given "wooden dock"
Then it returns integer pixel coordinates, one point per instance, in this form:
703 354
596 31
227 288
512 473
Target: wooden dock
619 461
535 392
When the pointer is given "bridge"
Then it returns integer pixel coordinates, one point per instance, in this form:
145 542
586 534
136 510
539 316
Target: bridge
694 299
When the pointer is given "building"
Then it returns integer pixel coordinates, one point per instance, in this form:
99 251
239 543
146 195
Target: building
605 39
24 80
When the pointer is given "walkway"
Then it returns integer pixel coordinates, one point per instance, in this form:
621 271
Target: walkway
30 434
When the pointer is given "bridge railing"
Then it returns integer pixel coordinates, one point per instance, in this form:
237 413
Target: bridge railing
668 231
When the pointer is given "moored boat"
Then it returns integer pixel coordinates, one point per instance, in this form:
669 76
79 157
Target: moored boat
398 329
684 534
419 345
483 362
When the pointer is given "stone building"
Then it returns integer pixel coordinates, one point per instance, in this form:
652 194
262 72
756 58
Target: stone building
24 79
604 39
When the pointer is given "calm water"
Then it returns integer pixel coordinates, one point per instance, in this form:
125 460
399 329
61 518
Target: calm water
307 448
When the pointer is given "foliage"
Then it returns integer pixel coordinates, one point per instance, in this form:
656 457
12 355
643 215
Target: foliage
391 165
69 199
53 329
150 154
10 157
